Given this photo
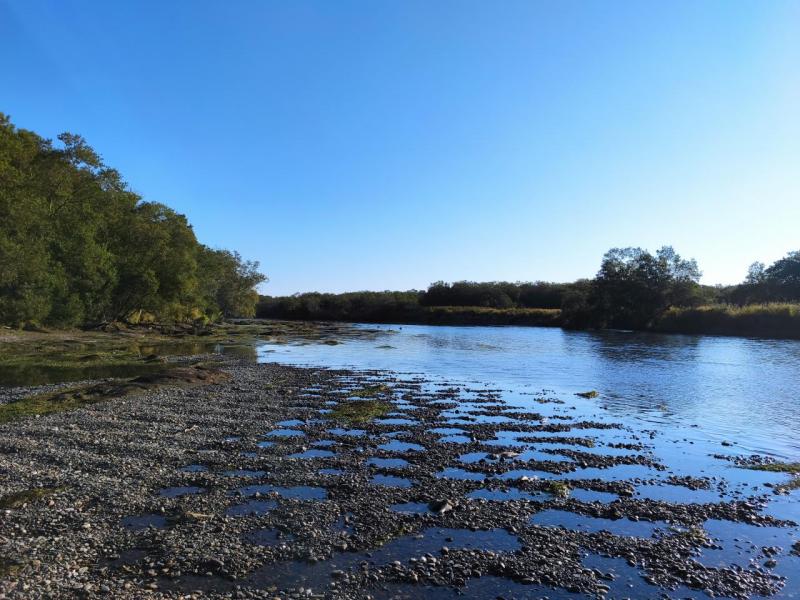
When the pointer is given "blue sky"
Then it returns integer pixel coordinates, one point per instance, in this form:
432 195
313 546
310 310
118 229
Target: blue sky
386 145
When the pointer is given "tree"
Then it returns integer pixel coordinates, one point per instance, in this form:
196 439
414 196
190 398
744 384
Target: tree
633 287
755 273
77 246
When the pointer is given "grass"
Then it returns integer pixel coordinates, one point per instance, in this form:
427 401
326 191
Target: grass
560 489
20 499
793 484
776 320
80 396
777 467
45 404
371 390
360 411
9 568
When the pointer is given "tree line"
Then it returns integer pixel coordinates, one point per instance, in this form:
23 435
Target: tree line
633 289
78 247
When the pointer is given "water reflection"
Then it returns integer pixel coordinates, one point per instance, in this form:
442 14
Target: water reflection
728 387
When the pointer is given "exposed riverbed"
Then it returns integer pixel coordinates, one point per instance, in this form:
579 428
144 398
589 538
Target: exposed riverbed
459 470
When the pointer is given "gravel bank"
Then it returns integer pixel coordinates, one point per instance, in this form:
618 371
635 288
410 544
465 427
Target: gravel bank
248 489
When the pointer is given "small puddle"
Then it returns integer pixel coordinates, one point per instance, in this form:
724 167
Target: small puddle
390 481
347 432
502 495
677 493
313 454
251 508
318 575
592 496
396 421
388 463
454 439
286 433
175 492
519 473
451 473
268 537
331 472
243 473
194 469
473 457
299 492
576 522
140 522
417 508
398 446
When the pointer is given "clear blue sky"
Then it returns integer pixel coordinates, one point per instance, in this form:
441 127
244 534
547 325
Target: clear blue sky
385 145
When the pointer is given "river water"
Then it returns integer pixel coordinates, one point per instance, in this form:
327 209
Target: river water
743 391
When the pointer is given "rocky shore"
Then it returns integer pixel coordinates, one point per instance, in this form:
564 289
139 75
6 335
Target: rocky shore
280 482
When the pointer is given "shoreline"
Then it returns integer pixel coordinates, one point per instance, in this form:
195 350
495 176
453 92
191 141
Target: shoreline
177 489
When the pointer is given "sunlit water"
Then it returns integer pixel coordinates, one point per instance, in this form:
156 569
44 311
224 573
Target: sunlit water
743 391
692 400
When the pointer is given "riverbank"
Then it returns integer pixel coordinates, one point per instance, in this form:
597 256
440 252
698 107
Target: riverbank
777 321
293 483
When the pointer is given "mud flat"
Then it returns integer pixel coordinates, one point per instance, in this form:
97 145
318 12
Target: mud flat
265 481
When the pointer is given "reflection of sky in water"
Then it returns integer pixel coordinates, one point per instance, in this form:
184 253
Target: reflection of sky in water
738 389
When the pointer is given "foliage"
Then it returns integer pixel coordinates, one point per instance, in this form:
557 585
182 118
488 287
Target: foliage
359 411
496 294
780 282
370 307
77 246
777 320
634 287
